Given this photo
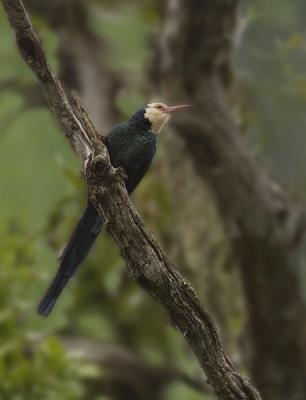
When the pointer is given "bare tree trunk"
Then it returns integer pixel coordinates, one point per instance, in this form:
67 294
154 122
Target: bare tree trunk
264 228
81 56
195 241
98 86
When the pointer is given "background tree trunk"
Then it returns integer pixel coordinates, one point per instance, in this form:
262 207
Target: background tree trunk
265 230
80 55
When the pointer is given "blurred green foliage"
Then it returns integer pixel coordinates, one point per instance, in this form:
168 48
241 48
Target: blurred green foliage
31 366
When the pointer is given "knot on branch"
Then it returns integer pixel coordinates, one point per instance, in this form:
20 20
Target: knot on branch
99 144
100 172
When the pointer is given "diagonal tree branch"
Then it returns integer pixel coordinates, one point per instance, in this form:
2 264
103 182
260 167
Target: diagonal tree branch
146 262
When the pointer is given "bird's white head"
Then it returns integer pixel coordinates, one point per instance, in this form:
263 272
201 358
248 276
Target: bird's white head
158 114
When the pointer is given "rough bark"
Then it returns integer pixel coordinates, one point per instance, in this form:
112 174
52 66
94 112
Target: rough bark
146 262
265 229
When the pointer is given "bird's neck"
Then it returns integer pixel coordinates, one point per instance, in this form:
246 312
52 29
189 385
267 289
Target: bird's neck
140 123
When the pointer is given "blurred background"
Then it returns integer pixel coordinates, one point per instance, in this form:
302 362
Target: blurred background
107 339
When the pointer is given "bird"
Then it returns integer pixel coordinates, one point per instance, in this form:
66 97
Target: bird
131 146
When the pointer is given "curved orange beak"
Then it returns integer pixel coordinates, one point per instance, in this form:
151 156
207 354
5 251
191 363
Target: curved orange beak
176 108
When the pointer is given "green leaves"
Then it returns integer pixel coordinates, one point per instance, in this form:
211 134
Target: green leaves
30 367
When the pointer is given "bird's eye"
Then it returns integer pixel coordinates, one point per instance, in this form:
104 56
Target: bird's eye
159 107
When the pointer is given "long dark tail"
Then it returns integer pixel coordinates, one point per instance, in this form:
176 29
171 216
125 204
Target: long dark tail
75 252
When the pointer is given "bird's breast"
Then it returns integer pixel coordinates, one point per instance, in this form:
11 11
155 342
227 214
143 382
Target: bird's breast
131 149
